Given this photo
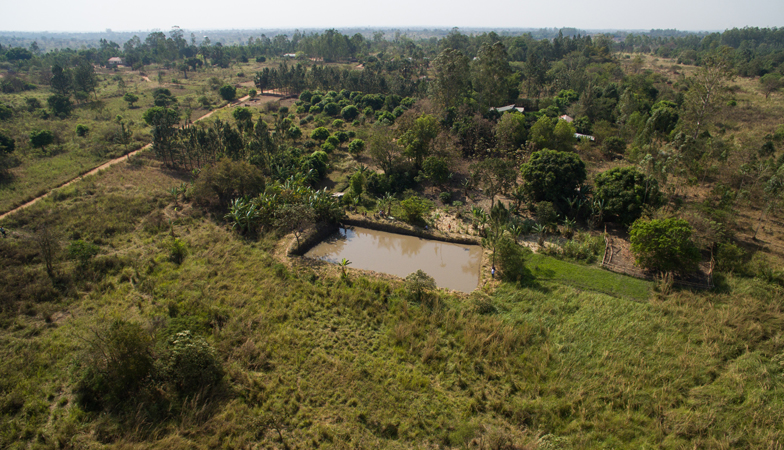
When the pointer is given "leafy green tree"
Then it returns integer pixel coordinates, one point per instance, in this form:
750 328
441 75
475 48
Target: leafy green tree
552 176
61 82
320 134
414 209
418 284
563 136
625 192
5 112
349 113
41 138
511 260
60 105
542 133
664 245
492 77
356 147
436 170
163 121
244 119
770 83
130 99
614 145
357 184
7 144
82 130
85 79
294 132
227 92
451 83
510 131
418 138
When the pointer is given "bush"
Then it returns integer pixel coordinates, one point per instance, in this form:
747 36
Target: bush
730 258
664 245
119 363
226 180
445 197
552 175
414 209
625 191
227 92
82 130
356 147
349 113
418 285
511 260
82 252
191 364
177 251
320 134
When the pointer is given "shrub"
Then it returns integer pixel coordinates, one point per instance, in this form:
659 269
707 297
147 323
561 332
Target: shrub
664 245
552 175
177 251
625 191
82 251
445 197
82 130
414 209
320 134
511 260
228 179
418 285
227 92
356 147
191 364
119 363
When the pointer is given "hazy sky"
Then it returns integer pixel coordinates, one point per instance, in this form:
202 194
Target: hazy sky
133 15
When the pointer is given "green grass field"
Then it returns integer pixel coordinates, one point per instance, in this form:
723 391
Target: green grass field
580 358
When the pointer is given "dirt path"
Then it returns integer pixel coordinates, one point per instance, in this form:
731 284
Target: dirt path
108 164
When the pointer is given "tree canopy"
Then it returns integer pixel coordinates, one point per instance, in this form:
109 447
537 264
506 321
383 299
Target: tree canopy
552 176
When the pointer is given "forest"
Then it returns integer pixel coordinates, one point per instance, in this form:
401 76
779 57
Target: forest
158 194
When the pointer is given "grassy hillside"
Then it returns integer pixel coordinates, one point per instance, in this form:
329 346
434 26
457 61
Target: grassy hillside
314 361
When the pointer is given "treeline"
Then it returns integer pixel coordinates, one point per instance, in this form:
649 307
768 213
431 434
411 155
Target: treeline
755 51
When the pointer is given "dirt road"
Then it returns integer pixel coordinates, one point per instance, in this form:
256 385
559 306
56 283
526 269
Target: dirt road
108 164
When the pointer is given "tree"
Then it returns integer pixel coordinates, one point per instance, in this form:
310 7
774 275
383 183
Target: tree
244 118
41 138
510 131
163 121
436 170
770 83
451 83
356 147
383 148
350 112
227 92
7 144
417 139
320 134
84 79
664 245
542 133
357 184
131 99
625 192
563 136
82 130
707 90
492 77
413 209
552 175
60 105
5 112
496 176
61 82
418 284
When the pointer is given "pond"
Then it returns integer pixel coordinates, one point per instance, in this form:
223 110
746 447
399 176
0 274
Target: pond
452 266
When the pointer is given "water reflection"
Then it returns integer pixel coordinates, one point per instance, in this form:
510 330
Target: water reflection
453 266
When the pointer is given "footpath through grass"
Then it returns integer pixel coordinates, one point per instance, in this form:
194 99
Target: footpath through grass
591 278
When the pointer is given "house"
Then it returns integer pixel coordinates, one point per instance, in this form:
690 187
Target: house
503 109
584 136
115 61
566 118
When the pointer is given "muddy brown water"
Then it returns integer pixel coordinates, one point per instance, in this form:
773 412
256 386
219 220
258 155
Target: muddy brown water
453 266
